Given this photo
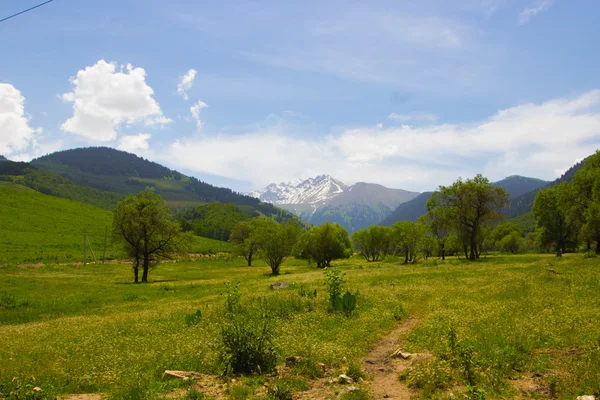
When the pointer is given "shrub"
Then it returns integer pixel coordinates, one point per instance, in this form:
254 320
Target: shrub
334 282
232 297
590 254
400 312
193 318
247 345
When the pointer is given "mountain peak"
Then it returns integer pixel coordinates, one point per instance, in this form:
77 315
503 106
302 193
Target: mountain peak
307 191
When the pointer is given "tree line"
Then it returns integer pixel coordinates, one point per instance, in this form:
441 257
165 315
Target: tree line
462 219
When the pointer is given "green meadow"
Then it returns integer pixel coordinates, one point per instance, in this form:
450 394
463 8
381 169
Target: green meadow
39 229
485 325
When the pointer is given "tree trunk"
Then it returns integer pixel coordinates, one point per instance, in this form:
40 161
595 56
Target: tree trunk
146 266
250 259
598 245
275 269
443 253
406 258
136 271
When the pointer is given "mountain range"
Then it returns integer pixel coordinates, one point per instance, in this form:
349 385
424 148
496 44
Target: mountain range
324 198
103 176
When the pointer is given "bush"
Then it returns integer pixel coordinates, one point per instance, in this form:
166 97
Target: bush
334 281
590 254
247 345
193 318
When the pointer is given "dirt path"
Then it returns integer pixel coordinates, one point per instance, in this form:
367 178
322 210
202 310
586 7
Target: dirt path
384 369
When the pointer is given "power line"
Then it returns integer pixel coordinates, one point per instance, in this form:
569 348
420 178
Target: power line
24 11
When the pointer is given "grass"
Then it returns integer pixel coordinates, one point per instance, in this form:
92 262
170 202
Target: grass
40 229
88 329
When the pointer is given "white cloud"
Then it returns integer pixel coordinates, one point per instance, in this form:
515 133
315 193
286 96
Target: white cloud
540 140
415 116
104 98
538 8
185 83
133 143
195 111
16 135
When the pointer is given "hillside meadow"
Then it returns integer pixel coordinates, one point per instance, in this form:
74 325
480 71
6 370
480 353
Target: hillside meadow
502 327
40 229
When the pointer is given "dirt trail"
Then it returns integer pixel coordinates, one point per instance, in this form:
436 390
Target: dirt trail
384 369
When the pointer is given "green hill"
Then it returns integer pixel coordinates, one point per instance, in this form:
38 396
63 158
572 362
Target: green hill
37 228
55 185
112 170
40 229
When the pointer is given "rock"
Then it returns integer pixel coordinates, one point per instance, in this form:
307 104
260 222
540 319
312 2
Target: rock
369 362
381 369
37 389
291 361
588 397
322 366
352 389
345 379
184 375
279 285
401 354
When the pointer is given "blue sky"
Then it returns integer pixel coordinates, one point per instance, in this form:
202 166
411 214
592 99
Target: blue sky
406 94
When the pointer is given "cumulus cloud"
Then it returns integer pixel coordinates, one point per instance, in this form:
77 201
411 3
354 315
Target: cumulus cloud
16 135
534 10
105 97
415 117
133 143
195 111
540 140
185 83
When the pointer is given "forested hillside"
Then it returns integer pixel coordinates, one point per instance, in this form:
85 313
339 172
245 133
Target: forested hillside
522 204
50 183
117 171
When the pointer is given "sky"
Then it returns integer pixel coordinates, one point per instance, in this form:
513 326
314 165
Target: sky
241 94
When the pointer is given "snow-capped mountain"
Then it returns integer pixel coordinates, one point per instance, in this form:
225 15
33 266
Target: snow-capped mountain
321 199
309 191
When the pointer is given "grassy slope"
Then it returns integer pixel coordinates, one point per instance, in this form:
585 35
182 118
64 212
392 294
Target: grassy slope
37 228
88 329
40 228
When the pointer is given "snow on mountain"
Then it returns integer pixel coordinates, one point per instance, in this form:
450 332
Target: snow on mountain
309 191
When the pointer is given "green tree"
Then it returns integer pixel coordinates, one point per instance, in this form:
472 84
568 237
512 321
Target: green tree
439 222
470 205
276 242
507 236
143 225
583 202
408 237
373 242
552 224
245 239
324 243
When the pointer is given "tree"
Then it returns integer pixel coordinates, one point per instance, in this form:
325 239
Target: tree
507 236
554 229
583 201
144 226
324 243
470 205
373 242
440 221
276 242
244 238
408 236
